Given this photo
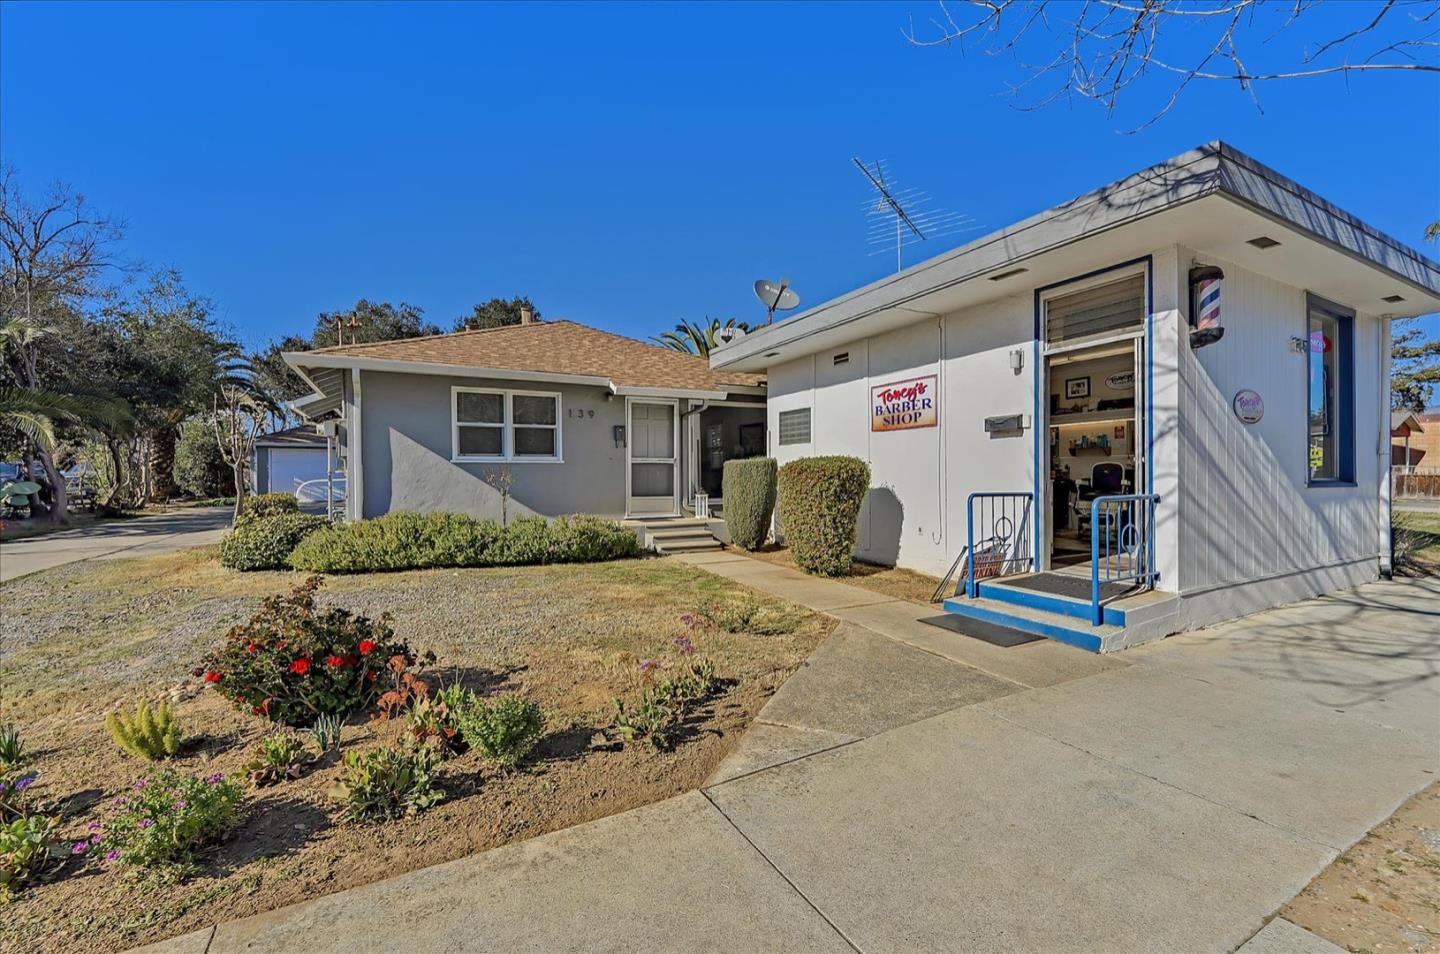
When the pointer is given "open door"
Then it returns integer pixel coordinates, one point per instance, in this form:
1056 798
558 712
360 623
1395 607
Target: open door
652 460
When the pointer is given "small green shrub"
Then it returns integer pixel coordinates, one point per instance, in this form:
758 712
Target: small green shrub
12 749
653 719
503 729
820 500
745 613
268 505
278 756
325 733
660 712
150 734
292 663
403 540
31 850
748 487
200 470
385 783
265 542
164 820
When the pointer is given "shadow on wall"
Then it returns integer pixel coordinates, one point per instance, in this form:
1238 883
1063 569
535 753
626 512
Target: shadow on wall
887 522
429 481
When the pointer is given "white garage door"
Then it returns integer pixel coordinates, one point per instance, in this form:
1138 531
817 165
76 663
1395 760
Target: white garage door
292 466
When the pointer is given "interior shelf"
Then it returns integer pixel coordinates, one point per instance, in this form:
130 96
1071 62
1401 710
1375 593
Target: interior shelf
1093 417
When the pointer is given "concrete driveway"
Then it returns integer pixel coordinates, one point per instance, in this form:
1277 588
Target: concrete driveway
912 790
140 536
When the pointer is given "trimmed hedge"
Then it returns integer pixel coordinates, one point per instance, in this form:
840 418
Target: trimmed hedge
404 540
268 505
264 542
748 487
820 500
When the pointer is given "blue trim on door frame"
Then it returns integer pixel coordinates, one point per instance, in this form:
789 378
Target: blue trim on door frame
1038 348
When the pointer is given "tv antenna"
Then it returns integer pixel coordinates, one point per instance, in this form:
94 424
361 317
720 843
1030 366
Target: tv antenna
776 296
904 215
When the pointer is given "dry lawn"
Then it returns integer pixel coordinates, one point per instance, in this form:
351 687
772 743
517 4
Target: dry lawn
80 640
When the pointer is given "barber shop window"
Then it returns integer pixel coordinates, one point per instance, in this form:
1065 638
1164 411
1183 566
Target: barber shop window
1330 372
495 425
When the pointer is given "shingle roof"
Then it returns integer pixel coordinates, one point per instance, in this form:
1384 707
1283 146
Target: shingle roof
303 436
555 347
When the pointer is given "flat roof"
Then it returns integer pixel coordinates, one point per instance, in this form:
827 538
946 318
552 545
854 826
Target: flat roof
1210 173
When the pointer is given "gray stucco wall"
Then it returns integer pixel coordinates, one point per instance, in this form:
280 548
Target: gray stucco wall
405 443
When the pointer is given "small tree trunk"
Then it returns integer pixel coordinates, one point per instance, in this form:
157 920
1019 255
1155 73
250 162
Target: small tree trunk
59 512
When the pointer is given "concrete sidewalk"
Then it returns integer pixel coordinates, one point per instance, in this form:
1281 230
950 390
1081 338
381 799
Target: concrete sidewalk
911 789
138 536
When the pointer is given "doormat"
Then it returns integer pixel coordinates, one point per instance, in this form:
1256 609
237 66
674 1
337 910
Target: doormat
992 633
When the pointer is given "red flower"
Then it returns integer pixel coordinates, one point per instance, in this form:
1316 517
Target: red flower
335 662
251 648
367 646
301 666
212 676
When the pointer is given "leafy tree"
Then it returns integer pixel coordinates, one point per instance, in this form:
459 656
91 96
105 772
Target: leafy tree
496 313
1414 359
697 339
200 468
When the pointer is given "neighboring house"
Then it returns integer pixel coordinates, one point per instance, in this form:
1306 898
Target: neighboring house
292 461
1063 363
1407 441
577 420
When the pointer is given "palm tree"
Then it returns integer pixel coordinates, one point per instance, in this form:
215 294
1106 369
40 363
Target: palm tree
693 338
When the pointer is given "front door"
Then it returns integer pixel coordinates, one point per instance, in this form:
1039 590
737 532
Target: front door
652 458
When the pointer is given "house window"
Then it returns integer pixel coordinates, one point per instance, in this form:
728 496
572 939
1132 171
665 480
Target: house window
1330 372
494 425
795 426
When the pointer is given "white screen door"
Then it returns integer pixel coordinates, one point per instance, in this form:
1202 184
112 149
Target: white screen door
652 457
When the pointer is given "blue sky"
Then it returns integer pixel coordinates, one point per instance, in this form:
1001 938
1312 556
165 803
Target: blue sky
625 166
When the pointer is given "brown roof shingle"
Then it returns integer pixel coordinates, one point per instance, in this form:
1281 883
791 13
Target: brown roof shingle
555 347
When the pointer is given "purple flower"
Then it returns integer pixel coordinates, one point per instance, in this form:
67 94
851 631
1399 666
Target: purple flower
684 645
180 804
24 783
690 619
214 779
79 848
139 784
112 855
648 664
121 801
146 822
94 839
93 826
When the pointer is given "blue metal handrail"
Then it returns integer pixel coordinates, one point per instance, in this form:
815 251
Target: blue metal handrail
1008 528
1130 518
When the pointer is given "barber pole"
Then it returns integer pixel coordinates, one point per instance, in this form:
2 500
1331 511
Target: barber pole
1205 325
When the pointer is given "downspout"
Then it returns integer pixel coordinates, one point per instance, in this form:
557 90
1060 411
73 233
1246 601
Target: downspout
1386 482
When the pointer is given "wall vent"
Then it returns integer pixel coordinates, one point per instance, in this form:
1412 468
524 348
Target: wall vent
1013 271
1263 241
842 358
1392 299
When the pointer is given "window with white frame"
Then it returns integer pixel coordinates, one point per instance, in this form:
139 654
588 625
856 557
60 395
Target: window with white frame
490 424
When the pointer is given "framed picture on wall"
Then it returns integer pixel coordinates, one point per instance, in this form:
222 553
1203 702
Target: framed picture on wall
1077 388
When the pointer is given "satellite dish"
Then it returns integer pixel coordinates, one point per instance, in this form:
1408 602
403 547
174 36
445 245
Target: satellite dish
776 296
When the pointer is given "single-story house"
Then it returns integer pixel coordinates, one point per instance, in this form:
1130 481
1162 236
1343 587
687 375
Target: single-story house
1161 404
294 461
542 417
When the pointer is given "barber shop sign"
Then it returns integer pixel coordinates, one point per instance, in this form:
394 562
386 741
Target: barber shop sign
901 405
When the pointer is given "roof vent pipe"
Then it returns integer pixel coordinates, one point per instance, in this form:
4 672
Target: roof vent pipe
527 315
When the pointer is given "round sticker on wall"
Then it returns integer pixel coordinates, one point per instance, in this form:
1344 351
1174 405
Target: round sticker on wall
1249 407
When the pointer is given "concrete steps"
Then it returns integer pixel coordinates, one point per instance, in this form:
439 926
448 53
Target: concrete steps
675 534
1128 619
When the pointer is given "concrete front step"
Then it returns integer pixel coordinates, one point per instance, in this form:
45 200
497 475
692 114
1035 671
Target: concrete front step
675 534
1041 622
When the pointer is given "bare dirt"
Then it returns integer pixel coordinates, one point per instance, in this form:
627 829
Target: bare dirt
1382 896
81 640
890 580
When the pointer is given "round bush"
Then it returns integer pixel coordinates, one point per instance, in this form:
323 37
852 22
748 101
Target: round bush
200 470
267 505
748 487
264 543
820 500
